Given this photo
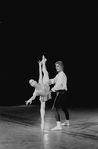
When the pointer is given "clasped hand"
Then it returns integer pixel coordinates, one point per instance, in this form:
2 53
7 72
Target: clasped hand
53 90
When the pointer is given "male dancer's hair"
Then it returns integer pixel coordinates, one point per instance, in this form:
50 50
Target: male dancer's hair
60 63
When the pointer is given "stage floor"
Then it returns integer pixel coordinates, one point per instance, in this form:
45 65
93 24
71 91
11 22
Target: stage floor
20 129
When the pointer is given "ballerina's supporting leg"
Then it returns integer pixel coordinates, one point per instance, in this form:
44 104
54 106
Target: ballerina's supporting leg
42 112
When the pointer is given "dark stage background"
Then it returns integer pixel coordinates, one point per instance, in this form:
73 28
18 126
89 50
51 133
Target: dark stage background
60 32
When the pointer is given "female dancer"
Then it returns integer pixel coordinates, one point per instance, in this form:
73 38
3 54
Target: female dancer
42 89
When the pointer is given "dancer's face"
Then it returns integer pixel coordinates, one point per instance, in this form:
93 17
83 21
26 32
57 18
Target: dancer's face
58 67
32 82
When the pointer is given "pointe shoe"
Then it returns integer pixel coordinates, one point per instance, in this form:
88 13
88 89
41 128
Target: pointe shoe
57 128
44 59
65 124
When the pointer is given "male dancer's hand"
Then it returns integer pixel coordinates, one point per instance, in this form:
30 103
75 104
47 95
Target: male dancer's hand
53 90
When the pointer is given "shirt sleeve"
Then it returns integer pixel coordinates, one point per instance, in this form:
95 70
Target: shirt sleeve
52 81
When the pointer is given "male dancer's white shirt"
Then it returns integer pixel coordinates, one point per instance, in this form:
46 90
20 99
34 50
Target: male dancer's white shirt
60 82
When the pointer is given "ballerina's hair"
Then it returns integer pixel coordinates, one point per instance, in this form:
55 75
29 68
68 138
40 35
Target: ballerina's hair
31 80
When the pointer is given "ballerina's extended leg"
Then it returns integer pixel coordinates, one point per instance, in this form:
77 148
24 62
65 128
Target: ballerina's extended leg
45 72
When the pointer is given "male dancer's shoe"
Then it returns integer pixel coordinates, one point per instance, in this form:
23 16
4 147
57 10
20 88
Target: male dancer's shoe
58 127
66 123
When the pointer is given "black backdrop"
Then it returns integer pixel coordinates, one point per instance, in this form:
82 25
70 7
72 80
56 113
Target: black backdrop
60 33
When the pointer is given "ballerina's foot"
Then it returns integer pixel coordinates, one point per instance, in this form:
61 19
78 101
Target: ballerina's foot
42 125
44 59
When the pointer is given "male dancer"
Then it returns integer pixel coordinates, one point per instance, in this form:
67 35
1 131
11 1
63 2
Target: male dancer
60 88
42 89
